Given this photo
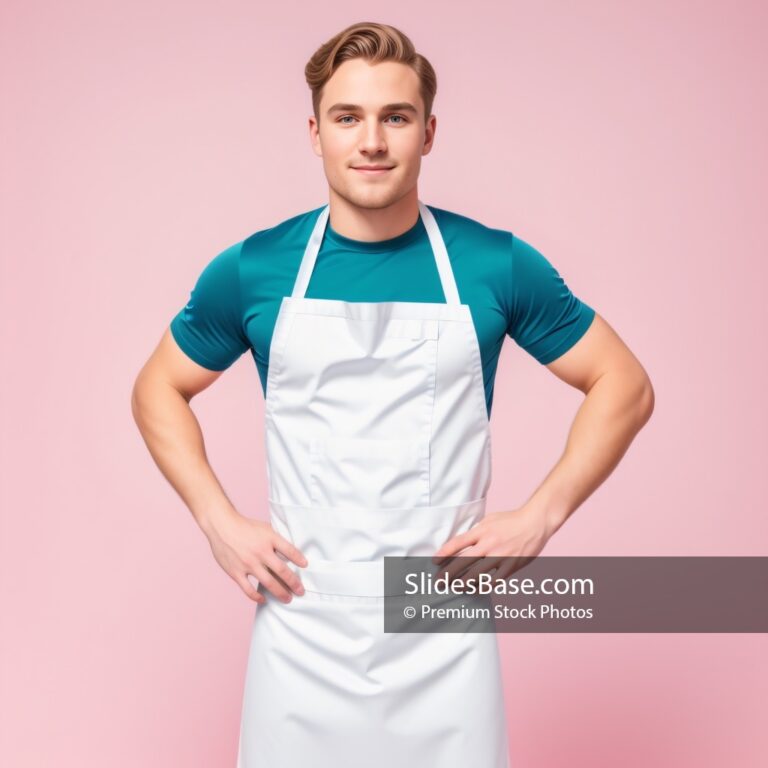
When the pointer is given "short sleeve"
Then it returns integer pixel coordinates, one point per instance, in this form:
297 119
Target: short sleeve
546 319
209 327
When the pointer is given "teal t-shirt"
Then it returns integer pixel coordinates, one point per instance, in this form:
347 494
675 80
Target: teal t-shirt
512 290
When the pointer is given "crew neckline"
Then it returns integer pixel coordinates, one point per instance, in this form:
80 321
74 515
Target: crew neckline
376 246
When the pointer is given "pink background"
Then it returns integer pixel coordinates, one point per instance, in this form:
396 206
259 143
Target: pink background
625 141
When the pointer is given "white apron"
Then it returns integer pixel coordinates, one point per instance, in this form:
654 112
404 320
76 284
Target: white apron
378 443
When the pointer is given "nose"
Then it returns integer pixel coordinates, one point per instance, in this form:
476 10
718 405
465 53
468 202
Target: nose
372 140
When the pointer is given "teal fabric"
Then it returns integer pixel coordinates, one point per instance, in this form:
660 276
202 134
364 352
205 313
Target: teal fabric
511 288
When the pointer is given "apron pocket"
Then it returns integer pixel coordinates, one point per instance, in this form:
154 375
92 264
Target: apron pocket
358 472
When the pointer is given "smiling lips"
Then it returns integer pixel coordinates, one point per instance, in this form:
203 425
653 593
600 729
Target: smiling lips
372 170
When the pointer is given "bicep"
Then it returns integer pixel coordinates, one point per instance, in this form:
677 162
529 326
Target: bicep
598 351
170 365
206 336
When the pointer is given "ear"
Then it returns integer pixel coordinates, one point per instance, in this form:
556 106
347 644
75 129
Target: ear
429 134
314 136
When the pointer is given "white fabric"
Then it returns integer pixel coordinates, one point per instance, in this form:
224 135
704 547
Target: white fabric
378 443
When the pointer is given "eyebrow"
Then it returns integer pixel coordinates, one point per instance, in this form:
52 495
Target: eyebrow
401 106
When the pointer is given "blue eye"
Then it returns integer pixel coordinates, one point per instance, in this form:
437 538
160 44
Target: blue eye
343 118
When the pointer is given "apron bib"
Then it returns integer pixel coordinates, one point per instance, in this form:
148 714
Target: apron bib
378 444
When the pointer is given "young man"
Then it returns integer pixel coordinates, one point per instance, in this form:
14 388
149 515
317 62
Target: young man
376 324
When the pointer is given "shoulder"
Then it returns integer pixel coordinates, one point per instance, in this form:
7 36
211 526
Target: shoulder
220 274
227 261
295 229
518 255
481 255
463 229
498 247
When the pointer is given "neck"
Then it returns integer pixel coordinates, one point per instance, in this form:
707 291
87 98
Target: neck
373 224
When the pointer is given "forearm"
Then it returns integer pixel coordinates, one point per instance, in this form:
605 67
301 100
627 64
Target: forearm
614 410
173 436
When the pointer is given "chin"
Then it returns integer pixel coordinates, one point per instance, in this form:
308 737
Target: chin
372 198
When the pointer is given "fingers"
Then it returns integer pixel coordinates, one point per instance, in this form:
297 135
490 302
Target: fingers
506 569
281 569
483 565
456 544
293 553
456 568
513 564
268 580
250 590
271 570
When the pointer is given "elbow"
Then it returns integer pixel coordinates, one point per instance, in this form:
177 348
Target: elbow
135 402
646 400
137 398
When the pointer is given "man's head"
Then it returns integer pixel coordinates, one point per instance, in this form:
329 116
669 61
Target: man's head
372 98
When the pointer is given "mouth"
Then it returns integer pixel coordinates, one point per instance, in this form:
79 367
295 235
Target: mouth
372 170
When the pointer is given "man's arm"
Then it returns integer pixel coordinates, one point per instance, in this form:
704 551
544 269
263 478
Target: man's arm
160 404
619 401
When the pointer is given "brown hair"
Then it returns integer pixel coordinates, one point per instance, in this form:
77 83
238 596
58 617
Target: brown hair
373 42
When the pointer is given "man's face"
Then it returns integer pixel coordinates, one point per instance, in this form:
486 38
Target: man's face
372 115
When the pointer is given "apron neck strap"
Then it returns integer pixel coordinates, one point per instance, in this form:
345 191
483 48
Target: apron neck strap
439 250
